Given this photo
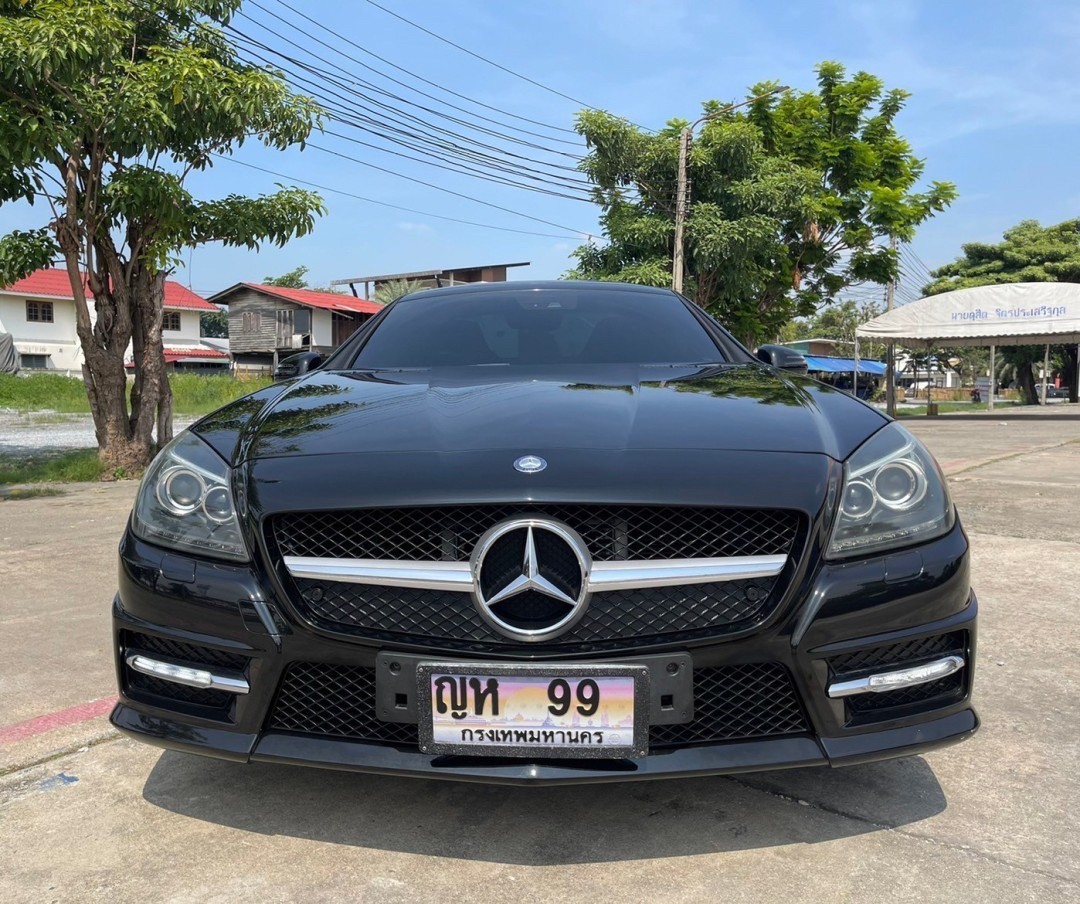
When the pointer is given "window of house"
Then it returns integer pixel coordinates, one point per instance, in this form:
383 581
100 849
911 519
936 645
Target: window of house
252 321
39 312
171 321
34 362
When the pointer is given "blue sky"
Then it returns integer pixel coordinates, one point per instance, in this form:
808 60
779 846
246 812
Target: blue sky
995 109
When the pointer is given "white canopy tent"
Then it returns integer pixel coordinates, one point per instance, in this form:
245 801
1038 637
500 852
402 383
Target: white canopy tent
1007 314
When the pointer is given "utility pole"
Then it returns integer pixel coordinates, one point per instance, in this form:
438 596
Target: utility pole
682 199
890 349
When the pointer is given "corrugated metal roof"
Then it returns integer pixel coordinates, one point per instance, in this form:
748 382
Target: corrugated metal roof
311 298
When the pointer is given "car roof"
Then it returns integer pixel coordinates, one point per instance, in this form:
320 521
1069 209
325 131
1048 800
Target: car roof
528 285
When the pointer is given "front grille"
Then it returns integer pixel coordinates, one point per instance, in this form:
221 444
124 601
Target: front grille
450 620
736 702
611 532
204 701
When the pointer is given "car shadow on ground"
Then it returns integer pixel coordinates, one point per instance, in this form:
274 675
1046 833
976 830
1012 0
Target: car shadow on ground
545 826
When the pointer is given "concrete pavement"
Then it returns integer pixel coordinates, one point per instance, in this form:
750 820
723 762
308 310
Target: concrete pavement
86 816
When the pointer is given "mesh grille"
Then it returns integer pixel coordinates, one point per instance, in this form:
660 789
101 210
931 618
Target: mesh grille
175 649
142 685
335 700
731 702
148 686
945 689
611 532
450 620
737 702
894 654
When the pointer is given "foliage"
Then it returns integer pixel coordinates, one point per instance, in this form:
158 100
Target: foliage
789 200
837 321
1028 252
294 279
193 393
106 109
393 289
81 465
214 324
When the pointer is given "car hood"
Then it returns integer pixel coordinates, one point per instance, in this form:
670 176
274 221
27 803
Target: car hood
737 408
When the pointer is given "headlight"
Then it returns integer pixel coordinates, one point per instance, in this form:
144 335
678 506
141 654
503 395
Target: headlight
894 495
185 502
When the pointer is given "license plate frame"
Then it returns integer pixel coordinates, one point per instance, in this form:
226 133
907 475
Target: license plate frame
596 749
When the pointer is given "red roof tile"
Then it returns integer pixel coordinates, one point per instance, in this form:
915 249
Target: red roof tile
311 298
193 352
53 282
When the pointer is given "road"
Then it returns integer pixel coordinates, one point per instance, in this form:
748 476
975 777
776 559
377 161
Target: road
88 816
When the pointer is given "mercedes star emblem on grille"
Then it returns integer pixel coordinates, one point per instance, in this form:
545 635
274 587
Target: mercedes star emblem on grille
531 578
530 464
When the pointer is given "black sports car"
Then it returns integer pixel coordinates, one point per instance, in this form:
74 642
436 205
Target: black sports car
545 532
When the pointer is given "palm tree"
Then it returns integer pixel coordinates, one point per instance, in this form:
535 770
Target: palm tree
393 289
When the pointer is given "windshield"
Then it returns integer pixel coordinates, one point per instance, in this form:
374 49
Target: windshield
538 327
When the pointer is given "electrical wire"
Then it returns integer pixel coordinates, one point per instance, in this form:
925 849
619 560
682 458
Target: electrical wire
448 191
432 84
484 59
425 213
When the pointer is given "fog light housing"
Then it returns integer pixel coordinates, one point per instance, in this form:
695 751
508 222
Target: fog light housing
896 679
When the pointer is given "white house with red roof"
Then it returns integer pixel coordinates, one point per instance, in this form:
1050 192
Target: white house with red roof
267 323
39 312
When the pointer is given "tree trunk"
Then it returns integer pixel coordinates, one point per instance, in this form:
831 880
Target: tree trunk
1068 358
1025 379
128 307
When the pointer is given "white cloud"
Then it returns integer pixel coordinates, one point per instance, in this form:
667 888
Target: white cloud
420 228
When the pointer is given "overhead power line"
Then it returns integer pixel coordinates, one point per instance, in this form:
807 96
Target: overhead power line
448 191
484 59
424 213
426 81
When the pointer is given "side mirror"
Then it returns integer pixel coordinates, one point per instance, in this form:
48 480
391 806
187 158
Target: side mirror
297 365
783 358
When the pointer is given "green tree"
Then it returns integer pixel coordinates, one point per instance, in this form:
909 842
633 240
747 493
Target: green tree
395 288
106 109
294 279
1029 252
790 200
214 324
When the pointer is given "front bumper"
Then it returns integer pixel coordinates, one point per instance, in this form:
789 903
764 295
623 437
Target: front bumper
898 602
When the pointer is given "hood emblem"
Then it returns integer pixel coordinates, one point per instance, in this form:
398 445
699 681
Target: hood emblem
530 464
531 578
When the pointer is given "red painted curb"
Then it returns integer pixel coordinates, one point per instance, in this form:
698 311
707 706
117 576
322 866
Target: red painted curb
81 713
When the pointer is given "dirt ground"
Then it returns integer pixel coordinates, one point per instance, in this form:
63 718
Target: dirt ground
88 816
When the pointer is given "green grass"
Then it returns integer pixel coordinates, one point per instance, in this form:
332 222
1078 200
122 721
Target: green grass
201 394
43 391
946 407
80 465
192 393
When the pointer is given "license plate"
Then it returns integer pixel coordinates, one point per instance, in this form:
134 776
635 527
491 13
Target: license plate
542 711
